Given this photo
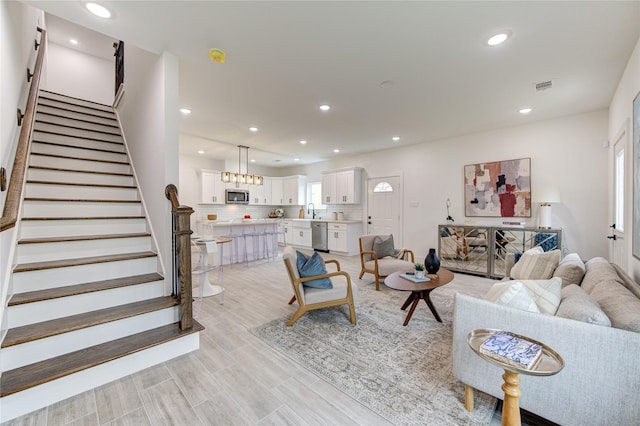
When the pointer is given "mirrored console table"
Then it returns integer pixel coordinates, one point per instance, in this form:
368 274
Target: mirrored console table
481 250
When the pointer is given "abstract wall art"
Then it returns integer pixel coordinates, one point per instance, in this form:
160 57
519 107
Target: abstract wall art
636 177
498 189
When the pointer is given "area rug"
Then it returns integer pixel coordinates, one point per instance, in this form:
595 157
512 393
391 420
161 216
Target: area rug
402 373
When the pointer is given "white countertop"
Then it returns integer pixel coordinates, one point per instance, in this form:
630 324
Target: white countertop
270 220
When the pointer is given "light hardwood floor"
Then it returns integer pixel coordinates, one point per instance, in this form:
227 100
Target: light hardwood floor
234 379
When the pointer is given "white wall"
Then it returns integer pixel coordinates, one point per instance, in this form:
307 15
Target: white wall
620 114
148 112
18 24
79 75
566 152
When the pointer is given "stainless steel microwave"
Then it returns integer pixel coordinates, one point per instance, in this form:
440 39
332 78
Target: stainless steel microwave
237 196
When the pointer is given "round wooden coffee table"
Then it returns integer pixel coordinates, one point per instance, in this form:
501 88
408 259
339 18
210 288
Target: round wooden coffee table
419 290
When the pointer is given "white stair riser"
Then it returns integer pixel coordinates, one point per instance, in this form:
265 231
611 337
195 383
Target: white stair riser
67 112
79 142
41 148
30 313
60 228
38 350
32 399
42 252
73 164
38 190
83 209
76 123
73 103
60 277
77 177
52 128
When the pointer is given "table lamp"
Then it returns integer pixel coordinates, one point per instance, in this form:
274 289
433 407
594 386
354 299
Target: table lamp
546 196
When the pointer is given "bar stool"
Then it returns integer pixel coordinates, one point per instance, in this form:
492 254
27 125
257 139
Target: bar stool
238 246
272 230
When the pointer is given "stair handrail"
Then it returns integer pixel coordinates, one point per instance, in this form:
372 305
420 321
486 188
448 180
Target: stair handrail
18 172
181 256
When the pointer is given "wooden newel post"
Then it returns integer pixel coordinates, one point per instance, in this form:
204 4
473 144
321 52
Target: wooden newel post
183 251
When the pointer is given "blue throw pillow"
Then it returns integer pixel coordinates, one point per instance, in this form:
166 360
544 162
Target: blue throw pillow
310 266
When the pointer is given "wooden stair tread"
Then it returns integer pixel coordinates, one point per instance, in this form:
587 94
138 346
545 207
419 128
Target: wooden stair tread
84 218
80 200
73 290
82 238
96 172
23 378
43 104
69 157
47 94
41 330
93 185
37 131
50 264
64 145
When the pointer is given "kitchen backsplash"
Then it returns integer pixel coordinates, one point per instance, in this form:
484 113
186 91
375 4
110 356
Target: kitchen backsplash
234 211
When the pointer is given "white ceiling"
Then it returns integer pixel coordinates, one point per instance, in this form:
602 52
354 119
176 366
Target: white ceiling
284 59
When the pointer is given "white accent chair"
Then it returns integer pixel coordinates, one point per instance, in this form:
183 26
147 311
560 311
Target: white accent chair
385 266
342 293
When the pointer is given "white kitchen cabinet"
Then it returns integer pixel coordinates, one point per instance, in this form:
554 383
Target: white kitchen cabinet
294 190
260 195
298 233
277 192
212 187
342 186
342 238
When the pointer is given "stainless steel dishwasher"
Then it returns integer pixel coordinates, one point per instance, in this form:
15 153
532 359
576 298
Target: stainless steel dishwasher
319 236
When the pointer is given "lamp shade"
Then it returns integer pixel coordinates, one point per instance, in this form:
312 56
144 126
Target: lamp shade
548 194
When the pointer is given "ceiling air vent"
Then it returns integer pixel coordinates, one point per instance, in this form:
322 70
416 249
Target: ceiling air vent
544 85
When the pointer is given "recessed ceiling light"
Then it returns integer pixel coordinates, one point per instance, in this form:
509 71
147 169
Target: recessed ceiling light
395 138
525 110
325 107
253 129
303 142
253 160
296 159
336 151
98 10
185 110
498 38
200 152
73 41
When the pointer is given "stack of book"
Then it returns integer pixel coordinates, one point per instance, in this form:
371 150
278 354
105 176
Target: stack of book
505 347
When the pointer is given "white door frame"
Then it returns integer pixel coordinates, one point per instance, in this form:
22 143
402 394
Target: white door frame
399 242
620 247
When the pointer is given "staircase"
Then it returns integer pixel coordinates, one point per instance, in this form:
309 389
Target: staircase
89 305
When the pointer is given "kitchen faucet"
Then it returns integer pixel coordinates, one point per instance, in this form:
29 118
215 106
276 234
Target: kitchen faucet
313 209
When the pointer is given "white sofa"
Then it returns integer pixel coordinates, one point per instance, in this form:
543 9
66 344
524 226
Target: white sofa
600 382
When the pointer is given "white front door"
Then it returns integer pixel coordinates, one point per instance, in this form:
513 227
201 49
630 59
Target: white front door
620 220
384 208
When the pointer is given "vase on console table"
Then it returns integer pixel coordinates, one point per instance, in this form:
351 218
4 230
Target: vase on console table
432 262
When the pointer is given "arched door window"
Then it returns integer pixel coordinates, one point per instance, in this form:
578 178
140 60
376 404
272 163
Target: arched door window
383 187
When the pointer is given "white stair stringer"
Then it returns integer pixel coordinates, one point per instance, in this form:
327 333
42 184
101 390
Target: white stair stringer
41 349
37 397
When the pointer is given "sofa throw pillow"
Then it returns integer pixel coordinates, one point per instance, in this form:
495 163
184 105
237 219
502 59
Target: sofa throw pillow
545 293
577 305
383 246
513 294
535 265
310 266
571 269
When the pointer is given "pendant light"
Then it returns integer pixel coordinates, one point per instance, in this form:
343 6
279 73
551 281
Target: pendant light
242 178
